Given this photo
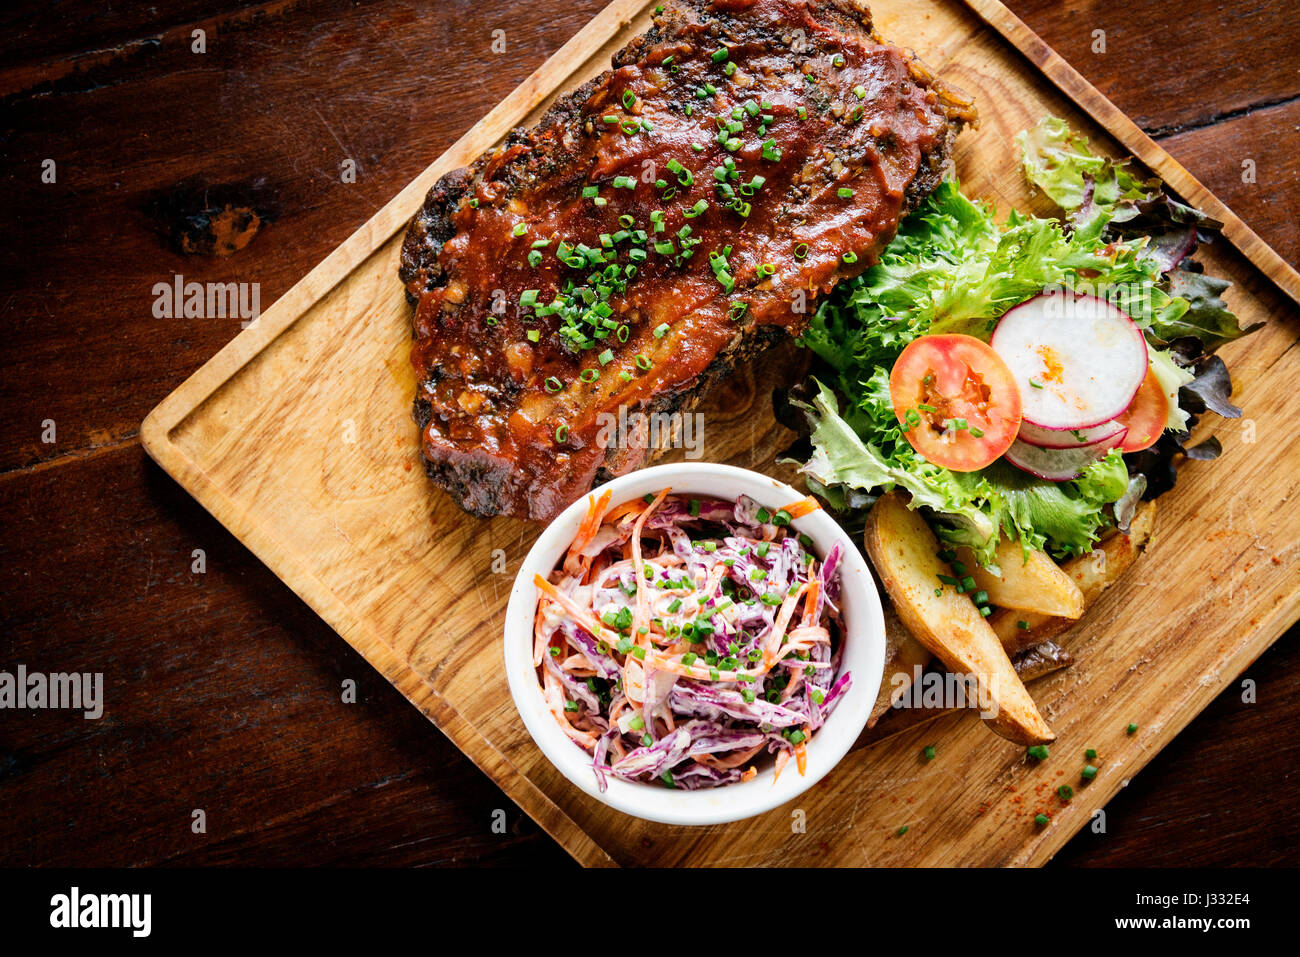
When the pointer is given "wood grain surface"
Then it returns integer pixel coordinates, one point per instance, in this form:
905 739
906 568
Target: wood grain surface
222 679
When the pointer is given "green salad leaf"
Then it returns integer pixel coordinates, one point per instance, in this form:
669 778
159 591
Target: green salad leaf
1057 160
953 267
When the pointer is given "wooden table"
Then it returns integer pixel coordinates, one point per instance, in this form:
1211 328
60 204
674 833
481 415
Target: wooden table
224 692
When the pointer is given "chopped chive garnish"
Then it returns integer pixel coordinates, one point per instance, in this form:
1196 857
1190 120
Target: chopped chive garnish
1039 752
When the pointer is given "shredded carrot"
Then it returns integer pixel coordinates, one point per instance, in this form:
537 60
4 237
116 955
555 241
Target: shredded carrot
782 759
770 656
591 523
810 602
633 507
639 618
730 761
803 507
580 615
539 636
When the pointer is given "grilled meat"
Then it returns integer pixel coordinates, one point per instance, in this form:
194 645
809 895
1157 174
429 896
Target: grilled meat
675 214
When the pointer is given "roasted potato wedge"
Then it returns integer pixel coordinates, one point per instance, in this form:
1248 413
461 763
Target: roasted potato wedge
905 553
1092 573
903 654
1037 585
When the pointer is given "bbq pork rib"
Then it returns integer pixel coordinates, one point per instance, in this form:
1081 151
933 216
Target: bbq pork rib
677 213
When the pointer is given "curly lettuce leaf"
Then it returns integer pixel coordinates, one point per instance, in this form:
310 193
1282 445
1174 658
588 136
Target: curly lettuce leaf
1057 160
1093 190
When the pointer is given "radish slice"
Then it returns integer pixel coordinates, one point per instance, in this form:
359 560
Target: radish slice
1078 360
1060 465
1067 438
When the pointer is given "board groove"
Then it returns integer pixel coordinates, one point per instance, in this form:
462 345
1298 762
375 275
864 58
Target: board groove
259 435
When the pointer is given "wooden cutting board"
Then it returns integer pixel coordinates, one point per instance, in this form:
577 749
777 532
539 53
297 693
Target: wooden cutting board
298 437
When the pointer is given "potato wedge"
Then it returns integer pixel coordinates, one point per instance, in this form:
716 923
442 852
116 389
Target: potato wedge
1092 573
903 654
1038 584
905 553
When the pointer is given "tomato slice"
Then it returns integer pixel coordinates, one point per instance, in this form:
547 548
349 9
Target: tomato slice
1145 416
941 381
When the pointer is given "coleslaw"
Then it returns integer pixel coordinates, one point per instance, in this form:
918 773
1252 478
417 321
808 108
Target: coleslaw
682 637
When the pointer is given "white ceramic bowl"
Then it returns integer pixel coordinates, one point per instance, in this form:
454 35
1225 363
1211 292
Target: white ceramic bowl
864 654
